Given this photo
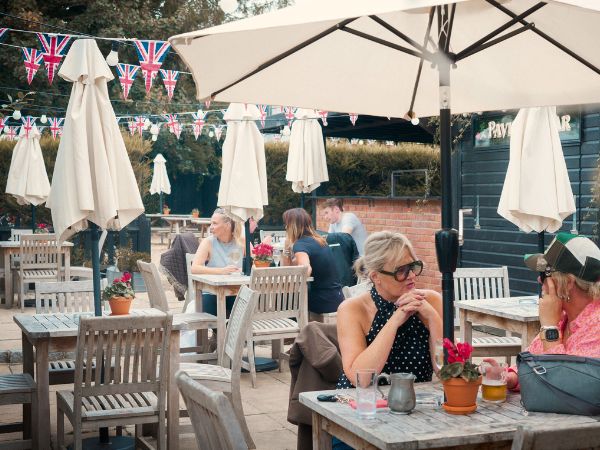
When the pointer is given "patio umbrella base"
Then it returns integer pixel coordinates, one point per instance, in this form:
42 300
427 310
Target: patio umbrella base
263 364
114 443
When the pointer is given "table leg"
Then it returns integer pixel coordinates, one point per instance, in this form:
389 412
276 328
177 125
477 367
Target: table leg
466 327
201 335
173 394
221 316
530 331
42 415
321 438
8 293
28 368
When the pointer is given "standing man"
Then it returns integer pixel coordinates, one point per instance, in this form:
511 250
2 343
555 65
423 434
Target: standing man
344 222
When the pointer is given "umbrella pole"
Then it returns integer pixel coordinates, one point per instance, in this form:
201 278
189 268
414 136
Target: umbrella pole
160 203
302 200
247 264
541 236
33 218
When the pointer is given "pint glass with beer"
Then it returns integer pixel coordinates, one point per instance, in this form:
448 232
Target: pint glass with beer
493 387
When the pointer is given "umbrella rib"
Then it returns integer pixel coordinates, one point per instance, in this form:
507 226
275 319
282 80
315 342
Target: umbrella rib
450 26
386 43
547 37
398 33
285 54
529 26
475 46
419 70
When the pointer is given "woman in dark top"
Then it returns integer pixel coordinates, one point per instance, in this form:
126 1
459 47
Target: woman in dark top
304 247
393 327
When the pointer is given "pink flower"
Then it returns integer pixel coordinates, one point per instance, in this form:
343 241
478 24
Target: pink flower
126 277
116 280
464 350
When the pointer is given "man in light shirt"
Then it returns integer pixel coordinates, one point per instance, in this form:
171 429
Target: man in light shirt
344 222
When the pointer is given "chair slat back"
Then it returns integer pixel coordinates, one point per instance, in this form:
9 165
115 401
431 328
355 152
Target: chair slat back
16 234
156 293
238 326
130 354
356 290
215 424
584 436
275 234
65 297
40 251
282 291
191 290
481 283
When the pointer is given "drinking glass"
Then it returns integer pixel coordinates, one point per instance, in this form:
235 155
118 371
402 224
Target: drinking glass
493 387
366 393
235 257
437 356
276 256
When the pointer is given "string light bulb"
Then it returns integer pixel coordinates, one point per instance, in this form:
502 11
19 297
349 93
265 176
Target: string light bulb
211 133
410 115
228 6
113 57
154 131
43 119
154 138
16 114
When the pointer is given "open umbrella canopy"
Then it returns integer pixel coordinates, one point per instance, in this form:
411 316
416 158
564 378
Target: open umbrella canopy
306 165
364 57
27 178
243 188
160 178
93 180
537 193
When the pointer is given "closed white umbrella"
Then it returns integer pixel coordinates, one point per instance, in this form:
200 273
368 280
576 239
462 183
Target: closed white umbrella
27 178
537 193
243 188
160 179
93 180
307 165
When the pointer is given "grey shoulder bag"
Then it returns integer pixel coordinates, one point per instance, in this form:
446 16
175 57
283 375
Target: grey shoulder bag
562 384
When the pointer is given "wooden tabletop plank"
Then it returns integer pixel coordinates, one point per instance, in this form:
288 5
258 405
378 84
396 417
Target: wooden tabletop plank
509 308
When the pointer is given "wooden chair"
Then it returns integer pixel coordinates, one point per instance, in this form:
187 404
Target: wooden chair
190 295
348 291
275 234
214 421
17 389
158 300
585 436
133 391
41 259
281 312
356 290
226 378
479 284
15 234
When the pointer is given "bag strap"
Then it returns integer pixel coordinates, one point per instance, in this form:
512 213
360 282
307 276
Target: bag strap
586 407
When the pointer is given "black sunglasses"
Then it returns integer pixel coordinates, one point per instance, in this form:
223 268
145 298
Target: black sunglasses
401 273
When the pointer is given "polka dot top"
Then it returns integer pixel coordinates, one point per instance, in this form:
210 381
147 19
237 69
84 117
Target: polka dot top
410 351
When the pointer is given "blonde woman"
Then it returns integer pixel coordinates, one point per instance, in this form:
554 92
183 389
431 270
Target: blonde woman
391 328
221 253
304 247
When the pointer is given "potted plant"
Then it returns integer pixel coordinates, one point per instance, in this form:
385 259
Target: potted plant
119 295
195 213
263 255
42 228
461 379
126 261
166 210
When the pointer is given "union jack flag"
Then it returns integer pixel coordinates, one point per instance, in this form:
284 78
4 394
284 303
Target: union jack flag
127 73
353 118
170 78
11 132
2 32
219 131
32 59
152 55
28 124
54 48
132 127
173 124
198 123
288 112
2 123
139 124
262 109
323 115
56 126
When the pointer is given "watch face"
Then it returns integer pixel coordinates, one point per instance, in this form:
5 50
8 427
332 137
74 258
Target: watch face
552 335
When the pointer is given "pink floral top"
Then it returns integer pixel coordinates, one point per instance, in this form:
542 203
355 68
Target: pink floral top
585 334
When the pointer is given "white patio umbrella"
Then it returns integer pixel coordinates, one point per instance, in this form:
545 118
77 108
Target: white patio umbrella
306 165
537 193
27 178
160 179
400 58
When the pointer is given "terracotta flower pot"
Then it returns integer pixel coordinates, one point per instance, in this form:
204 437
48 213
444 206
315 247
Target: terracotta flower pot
261 263
166 212
461 395
195 215
120 305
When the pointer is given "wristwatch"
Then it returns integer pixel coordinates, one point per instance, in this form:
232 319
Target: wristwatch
549 333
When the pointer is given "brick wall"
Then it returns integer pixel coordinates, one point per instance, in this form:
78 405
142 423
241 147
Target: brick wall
416 220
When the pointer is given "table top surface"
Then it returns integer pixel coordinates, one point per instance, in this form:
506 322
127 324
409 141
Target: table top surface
201 220
222 280
17 244
509 308
429 426
56 325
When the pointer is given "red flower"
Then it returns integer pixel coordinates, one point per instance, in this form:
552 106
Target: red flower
126 277
116 280
464 350
263 250
454 353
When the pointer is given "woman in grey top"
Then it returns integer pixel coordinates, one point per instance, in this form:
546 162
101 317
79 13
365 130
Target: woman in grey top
220 253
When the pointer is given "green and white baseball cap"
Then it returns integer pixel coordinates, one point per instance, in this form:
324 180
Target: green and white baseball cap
568 253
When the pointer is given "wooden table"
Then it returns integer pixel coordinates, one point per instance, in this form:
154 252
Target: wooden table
428 426
203 225
509 314
9 248
58 332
